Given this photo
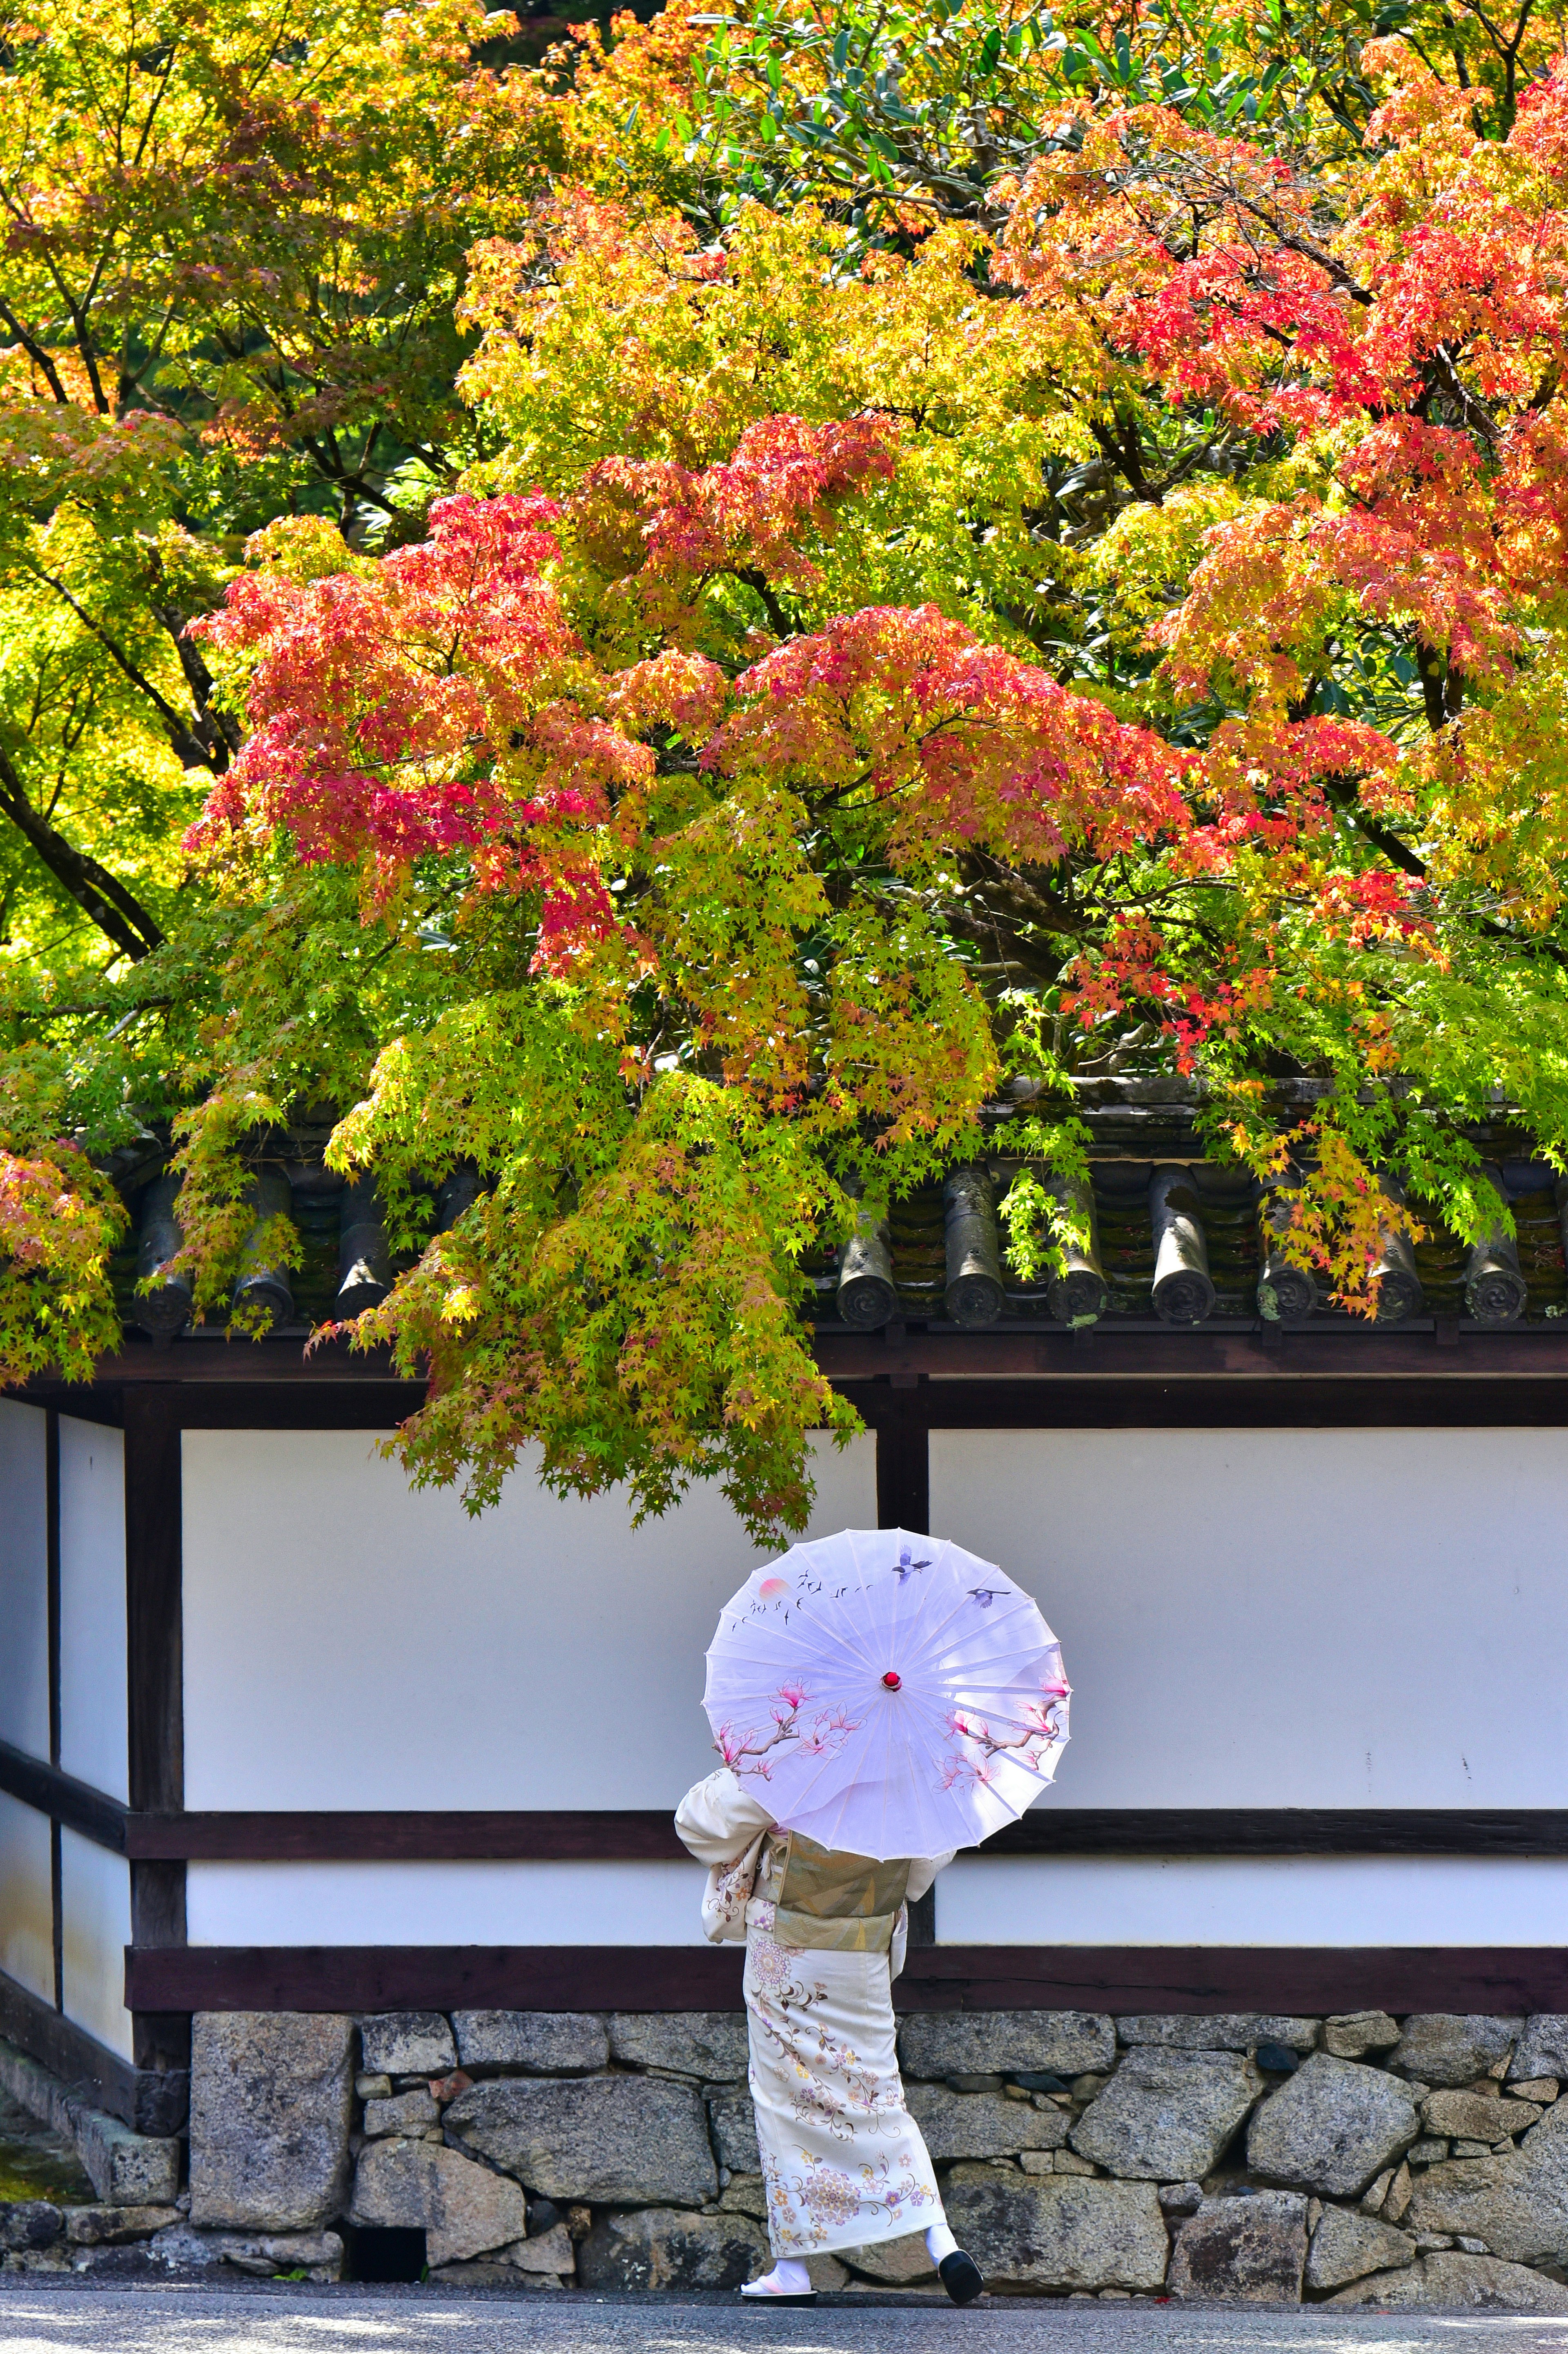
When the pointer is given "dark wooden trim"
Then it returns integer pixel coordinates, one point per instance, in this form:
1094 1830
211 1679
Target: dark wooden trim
154 1623
152 1609
52 1571
628 1836
1219 1404
903 1472
1285 1830
610 1836
76 1804
398 1977
151 2102
1309 1980
1155 1352
56 1910
52 1608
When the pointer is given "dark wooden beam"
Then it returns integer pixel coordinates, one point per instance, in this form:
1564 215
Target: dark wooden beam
611 1835
1087 1401
1307 1980
1283 1831
150 2102
1118 1349
63 1798
154 1644
398 1977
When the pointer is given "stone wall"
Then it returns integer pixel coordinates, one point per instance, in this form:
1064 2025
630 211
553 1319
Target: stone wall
1357 2160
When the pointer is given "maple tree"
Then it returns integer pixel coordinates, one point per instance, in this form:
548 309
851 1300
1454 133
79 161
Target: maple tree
877 641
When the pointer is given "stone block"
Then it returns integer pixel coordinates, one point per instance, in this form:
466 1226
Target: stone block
1354 2033
1347 2247
543 2042
1444 2047
30 2223
1542 2049
734 2124
406 2043
126 2169
1196 2030
463 2207
937 2044
1058 2230
262 2253
981 2124
662 2248
1331 2127
1515 2205
405 2113
1476 2116
1457 2280
1242 2249
592 2137
1167 2114
710 2045
1542 2090
271 2100
95 2227
547 2252
895 2263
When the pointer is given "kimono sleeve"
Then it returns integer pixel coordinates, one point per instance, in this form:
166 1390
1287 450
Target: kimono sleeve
718 1820
923 1872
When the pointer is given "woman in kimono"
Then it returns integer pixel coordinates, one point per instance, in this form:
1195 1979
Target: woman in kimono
844 2163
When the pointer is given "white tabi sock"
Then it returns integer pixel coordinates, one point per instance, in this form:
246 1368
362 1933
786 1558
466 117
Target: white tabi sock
940 2243
788 2278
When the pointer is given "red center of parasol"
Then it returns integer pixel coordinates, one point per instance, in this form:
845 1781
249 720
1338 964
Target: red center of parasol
893 1680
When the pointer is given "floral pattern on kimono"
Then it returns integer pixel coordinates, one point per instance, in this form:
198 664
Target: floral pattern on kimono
843 2162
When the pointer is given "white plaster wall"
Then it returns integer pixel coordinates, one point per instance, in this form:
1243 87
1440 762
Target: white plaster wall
444 1904
95 1907
93 1736
24 1580
1254 1901
1289 1618
26 1908
350 1642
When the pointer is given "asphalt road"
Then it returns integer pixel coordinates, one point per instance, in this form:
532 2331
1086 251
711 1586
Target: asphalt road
72 2320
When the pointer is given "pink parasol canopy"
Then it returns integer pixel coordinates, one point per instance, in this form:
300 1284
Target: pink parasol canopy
887 1694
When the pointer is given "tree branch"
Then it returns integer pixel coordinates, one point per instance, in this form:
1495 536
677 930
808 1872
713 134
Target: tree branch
118 913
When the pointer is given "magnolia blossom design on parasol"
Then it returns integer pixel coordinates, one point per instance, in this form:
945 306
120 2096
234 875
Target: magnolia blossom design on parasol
887 1694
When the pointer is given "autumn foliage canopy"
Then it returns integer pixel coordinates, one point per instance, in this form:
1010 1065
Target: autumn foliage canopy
816 614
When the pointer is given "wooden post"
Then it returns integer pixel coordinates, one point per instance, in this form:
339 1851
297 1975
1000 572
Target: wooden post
364 1262
155 1707
1286 1292
167 1310
1494 1289
974 1294
867 1294
1395 1279
1183 1293
261 1285
1077 1295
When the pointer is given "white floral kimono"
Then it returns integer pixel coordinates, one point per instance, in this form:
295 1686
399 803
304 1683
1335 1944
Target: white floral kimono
843 2162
